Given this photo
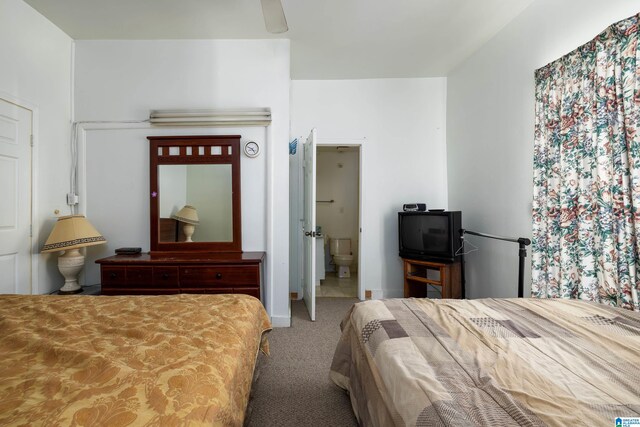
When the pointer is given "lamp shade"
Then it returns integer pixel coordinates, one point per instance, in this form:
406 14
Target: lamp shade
187 214
72 232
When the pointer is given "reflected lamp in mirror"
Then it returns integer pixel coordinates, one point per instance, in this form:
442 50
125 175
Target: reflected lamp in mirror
189 217
69 234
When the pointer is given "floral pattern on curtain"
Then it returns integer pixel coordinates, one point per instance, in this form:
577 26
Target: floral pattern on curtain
586 163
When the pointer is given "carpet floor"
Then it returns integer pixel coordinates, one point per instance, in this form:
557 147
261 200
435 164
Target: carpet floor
293 386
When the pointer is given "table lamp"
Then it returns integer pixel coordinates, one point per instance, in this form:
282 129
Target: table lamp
69 234
189 216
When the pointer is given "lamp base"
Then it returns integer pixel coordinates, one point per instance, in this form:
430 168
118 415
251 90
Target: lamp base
70 263
188 230
77 291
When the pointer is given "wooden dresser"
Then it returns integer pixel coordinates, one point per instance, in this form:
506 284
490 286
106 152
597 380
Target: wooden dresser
188 272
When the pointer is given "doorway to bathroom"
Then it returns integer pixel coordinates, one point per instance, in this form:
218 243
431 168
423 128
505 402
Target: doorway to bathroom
338 219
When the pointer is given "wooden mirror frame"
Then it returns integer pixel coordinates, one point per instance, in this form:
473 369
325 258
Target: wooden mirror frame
182 142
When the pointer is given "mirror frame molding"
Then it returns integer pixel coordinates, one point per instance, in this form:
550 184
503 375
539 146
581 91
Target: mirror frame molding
195 141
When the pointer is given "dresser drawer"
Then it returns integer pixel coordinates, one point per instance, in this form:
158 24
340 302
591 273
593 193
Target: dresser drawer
172 273
125 276
138 291
113 276
219 276
248 290
165 276
139 276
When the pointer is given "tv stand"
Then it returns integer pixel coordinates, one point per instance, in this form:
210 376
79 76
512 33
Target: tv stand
419 274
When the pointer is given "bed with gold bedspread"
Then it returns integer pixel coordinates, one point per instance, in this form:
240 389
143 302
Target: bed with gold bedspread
122 360
491 362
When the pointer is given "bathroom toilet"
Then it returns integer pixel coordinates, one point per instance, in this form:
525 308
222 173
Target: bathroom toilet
340 250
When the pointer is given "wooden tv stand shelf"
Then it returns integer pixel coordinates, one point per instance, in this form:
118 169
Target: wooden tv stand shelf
185 272
416 278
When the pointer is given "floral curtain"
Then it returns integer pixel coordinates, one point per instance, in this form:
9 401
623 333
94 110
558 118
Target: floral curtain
586 197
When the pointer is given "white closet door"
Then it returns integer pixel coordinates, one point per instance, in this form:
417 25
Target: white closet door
15 197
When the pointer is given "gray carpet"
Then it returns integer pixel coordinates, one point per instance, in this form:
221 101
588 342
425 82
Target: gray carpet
293 386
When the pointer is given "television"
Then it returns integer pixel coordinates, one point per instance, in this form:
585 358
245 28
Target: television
430 236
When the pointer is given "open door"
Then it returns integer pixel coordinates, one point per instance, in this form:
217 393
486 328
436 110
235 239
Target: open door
309 228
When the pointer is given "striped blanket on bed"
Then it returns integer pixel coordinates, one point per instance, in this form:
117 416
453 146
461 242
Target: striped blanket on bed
492 362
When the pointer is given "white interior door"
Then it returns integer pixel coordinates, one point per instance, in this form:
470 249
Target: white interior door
15 193
309 228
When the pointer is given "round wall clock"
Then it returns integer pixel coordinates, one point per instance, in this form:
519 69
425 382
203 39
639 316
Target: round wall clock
251 149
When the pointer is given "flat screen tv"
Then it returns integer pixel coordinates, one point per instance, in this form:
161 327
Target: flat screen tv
429 236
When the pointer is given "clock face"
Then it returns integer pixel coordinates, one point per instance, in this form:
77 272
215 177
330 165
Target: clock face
251 149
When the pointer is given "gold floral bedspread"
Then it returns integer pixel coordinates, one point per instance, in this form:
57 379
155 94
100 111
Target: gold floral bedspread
121 360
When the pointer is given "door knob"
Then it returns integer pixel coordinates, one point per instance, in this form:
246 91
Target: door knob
310 233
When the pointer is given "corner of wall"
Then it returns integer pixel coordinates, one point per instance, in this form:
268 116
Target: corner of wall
281 321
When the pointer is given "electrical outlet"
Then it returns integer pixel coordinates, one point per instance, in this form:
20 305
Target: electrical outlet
72 199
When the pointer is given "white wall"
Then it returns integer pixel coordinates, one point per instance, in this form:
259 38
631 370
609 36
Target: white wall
36 72
209 190
173 181
490 120
404 156
338 180
123 80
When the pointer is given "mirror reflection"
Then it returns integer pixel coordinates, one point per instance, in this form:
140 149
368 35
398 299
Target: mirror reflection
195 203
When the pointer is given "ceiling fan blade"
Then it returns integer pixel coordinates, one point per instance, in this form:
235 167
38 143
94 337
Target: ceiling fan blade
274 18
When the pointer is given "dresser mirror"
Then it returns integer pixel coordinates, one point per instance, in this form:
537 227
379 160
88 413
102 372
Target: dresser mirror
195 193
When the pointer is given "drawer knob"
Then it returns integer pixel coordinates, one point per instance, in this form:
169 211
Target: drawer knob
113 275
165 275
219 276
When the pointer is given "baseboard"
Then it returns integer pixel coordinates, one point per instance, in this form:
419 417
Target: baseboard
280 321
376 293
293 296
380 294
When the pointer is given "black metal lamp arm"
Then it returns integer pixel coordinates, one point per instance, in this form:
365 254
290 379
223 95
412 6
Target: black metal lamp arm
522 242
